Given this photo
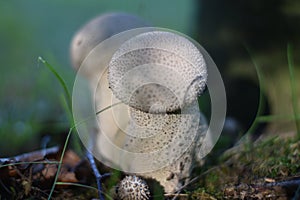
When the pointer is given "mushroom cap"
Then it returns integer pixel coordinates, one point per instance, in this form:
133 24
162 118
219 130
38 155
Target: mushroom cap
133 188
99 29
157 71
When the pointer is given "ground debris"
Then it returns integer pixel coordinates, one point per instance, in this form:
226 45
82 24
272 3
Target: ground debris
268 169
247 191
31 175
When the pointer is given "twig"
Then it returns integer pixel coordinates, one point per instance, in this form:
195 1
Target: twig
286 183
175 195
97 174
35 155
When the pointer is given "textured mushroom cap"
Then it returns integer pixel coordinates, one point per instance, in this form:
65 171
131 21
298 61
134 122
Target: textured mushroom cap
157 68
133 188
99 29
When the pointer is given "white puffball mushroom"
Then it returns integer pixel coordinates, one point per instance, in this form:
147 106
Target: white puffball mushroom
132 188
156 74
157 67
99 29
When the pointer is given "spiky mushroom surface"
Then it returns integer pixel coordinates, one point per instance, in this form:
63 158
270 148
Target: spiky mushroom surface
133 188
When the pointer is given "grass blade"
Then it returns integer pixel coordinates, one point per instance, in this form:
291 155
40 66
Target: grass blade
261 105
65 147
60 163
61 81
293 86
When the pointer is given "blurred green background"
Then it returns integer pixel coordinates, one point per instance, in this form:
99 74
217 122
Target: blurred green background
31 103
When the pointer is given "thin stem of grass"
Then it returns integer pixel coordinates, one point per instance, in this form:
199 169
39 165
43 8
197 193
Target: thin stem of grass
61 81
76 184
68 103
108 107
272 118
82 185
293 86
97 113
65 105
60 162
65 147
261 104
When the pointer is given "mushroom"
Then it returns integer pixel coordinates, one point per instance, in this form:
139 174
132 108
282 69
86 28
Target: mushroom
91 67
157 75
97 30
132 188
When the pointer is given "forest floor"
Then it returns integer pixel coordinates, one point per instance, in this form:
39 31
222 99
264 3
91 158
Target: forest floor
266 169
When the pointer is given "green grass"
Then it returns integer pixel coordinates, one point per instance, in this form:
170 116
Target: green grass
295 116
295 99
67 100
67 103
261 105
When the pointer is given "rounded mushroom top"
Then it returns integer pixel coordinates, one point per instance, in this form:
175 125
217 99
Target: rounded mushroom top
99 29
133 188
158 72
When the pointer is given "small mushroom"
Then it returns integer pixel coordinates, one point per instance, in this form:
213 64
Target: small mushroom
132 188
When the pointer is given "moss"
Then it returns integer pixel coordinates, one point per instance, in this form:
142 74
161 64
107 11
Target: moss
201 193
274 158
